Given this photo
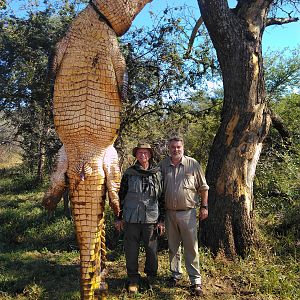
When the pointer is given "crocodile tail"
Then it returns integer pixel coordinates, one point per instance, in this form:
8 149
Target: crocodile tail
88 203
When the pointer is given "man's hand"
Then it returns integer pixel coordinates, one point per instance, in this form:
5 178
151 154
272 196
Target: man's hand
160 227
203 213
119 225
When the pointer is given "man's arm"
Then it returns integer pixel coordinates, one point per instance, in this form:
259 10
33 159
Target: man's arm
122 193
203 213
119 223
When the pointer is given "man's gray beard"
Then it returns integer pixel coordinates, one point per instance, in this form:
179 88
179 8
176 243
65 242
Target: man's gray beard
177 156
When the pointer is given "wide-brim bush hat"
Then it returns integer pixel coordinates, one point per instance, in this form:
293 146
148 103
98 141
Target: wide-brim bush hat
142 146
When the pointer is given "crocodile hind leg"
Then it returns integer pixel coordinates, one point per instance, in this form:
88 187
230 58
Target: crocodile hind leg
88 203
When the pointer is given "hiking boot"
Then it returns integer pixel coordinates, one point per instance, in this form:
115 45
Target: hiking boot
133 288
150 281
196 290
172 282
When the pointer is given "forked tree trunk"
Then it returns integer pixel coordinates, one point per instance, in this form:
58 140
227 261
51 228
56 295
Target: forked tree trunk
244 125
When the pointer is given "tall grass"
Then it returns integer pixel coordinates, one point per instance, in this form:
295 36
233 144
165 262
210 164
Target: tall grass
39 257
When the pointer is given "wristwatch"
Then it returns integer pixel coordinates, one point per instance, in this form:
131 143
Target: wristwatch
204 206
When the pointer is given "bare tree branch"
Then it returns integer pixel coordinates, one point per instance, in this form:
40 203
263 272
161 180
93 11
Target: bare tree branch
280 21
193 36
279 125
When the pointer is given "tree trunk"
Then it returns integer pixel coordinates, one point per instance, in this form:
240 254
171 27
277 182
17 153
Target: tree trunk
41 162
236 36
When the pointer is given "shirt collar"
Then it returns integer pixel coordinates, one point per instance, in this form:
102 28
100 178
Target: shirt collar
183 161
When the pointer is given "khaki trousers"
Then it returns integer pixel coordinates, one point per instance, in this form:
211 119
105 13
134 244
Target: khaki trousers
182 229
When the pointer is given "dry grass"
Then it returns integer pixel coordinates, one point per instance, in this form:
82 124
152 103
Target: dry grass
9 157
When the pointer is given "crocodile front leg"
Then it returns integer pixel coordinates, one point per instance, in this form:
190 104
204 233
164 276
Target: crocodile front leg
58 182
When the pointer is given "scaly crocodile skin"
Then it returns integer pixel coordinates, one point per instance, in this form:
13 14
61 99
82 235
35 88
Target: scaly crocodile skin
90 72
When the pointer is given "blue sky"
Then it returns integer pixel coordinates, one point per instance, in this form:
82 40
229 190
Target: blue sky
275 37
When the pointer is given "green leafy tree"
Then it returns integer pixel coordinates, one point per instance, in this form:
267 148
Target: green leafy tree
164 74
277 183
282 73
26 100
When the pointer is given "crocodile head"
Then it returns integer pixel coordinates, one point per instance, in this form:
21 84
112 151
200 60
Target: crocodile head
120 13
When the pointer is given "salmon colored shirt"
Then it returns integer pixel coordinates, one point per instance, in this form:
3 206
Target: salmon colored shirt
182 183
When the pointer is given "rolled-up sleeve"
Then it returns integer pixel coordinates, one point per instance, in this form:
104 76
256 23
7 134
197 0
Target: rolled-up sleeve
202 184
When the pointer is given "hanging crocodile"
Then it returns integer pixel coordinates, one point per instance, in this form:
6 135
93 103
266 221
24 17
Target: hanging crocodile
90 78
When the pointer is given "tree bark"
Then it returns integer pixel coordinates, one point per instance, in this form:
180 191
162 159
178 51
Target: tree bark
236 35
